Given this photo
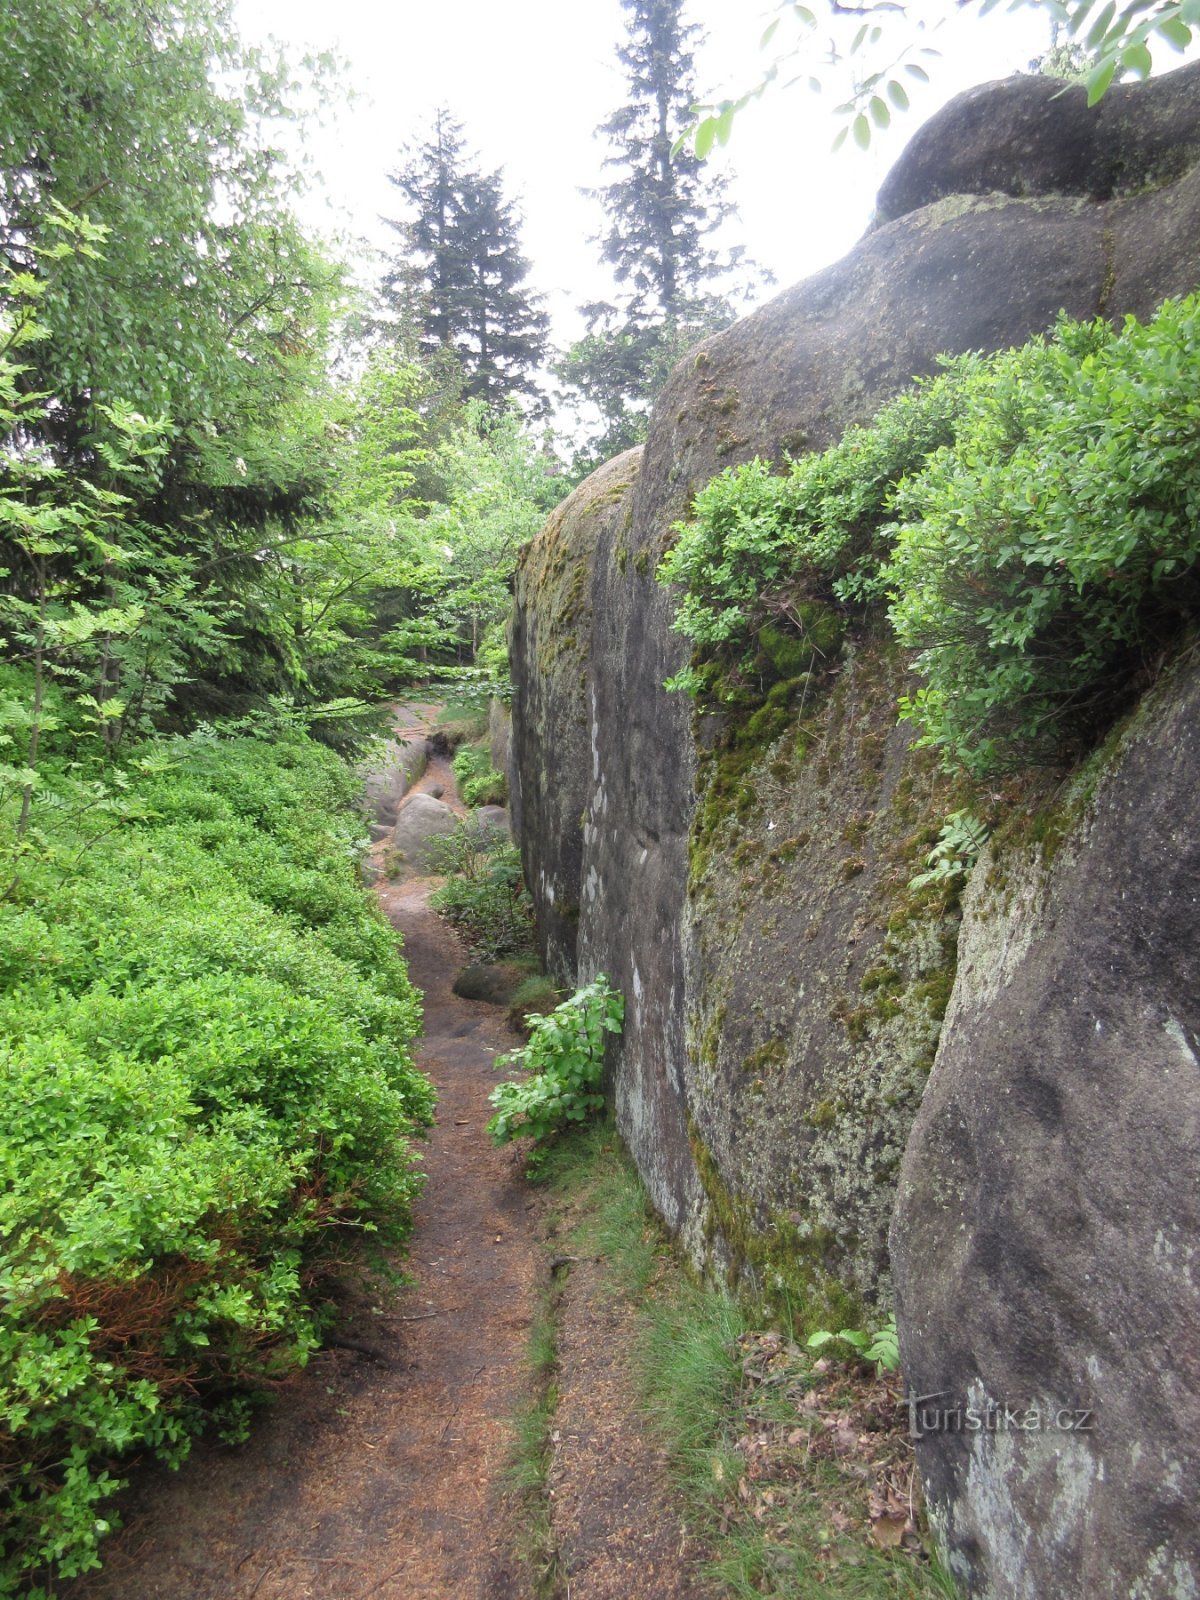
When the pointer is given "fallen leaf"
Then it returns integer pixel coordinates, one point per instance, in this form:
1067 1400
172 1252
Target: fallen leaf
887 1532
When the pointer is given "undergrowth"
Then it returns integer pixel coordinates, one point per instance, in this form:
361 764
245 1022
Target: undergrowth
207 1105
562 1065
484 895
479 783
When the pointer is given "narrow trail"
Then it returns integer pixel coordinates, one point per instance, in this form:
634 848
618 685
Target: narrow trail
376 1472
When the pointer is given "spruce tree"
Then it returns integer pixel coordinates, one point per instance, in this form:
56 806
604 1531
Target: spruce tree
661 210
460 274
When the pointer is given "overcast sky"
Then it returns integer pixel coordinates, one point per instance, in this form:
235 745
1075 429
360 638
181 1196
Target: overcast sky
531 79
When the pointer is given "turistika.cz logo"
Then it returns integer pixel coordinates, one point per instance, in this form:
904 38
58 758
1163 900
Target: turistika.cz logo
940 1413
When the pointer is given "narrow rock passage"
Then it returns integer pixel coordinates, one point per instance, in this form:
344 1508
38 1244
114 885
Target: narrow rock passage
376 1473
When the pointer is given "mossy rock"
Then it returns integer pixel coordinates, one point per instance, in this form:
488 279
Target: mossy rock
496 984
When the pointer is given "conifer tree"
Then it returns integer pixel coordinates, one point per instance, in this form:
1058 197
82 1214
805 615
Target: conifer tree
661 211
460 273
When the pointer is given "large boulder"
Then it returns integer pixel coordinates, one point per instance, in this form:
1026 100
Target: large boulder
1047 1232
774 1137
784 992
1032 136
393 772
419 822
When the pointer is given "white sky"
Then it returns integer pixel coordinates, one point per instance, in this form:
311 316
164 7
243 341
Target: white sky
531 79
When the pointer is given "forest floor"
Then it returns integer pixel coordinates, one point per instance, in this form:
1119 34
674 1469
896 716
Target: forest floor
380 1471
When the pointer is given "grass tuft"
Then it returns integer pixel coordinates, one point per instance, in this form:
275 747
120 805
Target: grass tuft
774 1453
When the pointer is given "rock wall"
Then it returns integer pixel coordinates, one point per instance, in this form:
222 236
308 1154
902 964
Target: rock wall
1048 1224
551 642
785 990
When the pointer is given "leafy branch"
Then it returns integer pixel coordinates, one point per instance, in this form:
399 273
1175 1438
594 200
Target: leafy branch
1117 39
563 1061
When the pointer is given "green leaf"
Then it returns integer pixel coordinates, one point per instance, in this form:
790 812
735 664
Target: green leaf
1175 32
1101 25
861 131
1078 17
1136 59
1099 80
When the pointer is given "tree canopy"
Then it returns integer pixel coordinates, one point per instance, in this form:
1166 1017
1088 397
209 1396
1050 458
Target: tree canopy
662 208
459 273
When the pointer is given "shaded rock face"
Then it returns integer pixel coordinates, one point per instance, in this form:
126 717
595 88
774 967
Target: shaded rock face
1047 1233
551 648
816 985
784 997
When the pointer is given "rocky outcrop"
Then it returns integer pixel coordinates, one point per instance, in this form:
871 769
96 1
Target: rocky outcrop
1038 137
550 648
393 772
785 989
1047 1233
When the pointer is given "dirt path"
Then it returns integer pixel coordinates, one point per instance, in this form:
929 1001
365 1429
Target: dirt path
377 1474
376 1477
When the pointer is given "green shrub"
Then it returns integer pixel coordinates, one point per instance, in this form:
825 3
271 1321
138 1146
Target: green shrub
207 1096
1052 550
762 544
479 783
1033 516
484 895
564 1060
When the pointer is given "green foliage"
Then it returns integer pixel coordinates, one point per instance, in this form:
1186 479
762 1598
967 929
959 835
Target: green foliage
208 1099
479 783
1053 549
498 484
956 852
564 1061
175 535
484 895
759 544
882 1347
1032 515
